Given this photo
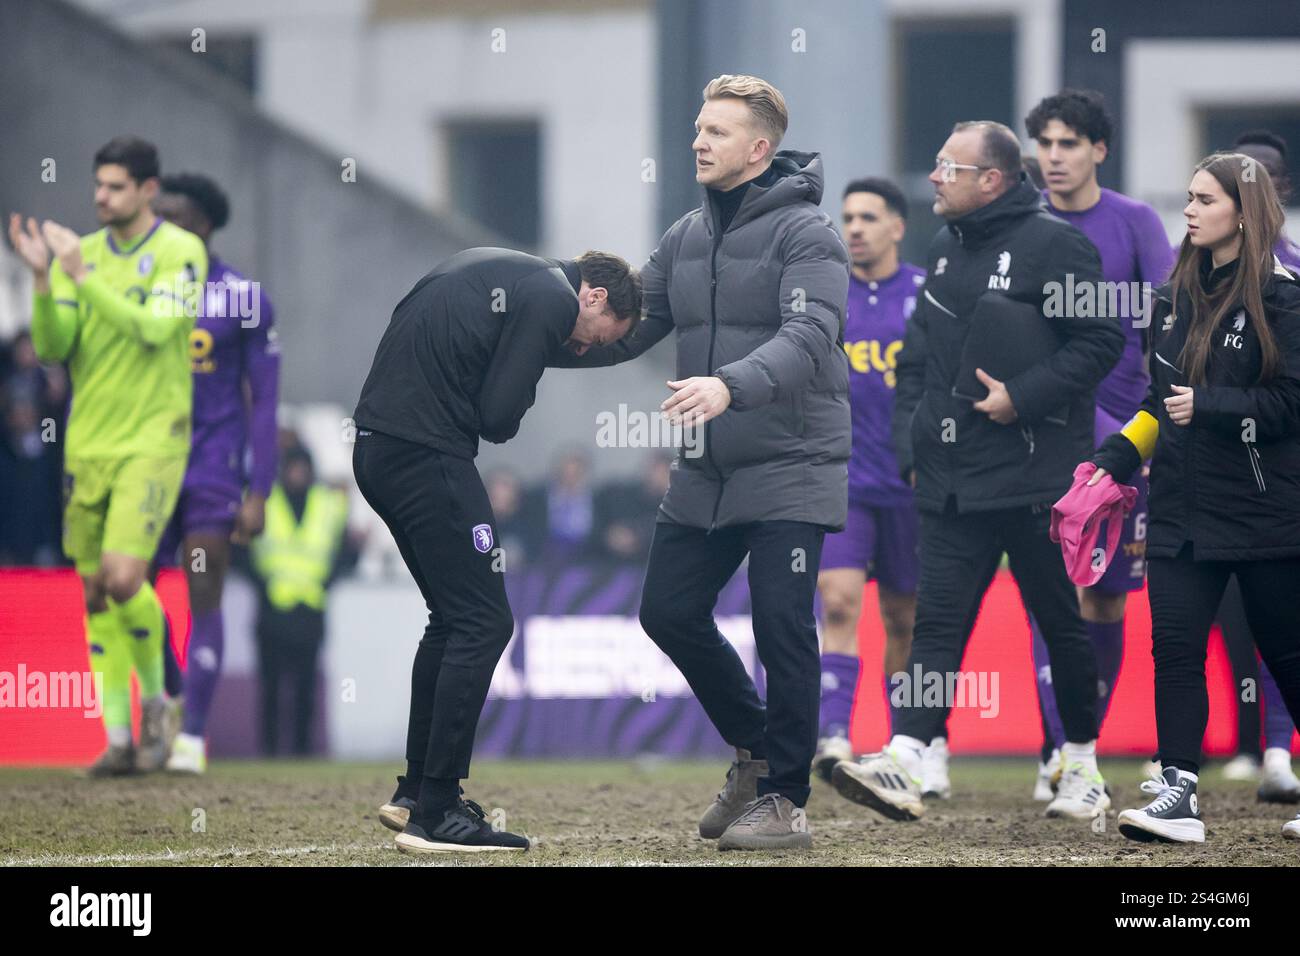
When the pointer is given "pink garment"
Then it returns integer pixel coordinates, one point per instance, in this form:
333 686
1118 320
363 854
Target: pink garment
1077 518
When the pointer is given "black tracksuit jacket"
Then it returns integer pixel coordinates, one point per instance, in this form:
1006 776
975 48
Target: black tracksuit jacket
465 348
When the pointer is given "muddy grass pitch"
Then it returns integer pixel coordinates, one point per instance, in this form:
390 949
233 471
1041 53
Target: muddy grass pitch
633 813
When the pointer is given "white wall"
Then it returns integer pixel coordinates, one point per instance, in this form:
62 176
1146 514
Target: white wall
1167 83
380 90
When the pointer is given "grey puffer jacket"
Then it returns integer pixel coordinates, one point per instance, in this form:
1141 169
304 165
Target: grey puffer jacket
760 306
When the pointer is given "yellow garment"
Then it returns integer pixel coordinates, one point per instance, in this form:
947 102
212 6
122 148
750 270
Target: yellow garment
1141 430
293 558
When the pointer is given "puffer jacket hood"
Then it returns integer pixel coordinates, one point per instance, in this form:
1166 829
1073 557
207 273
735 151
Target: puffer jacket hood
993 220
802 180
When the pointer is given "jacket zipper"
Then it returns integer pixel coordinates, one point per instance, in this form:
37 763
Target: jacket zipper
1253 455
713 334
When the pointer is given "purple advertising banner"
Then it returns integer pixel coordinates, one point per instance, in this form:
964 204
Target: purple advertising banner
581 678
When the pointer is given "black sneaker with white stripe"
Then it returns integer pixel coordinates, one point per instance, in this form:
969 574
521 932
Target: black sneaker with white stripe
1174 816
462 829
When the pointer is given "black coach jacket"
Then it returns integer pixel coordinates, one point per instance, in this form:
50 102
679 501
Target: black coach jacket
1228 482
1012 247
465 349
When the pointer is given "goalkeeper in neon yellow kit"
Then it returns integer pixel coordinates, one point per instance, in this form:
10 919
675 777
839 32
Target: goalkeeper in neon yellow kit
118 306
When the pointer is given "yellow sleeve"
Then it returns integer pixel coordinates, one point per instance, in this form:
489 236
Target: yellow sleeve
1141 430
54 318
183 269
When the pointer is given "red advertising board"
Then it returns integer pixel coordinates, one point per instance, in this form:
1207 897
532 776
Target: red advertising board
41 630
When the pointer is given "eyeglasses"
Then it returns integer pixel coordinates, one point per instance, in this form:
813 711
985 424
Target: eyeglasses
948 168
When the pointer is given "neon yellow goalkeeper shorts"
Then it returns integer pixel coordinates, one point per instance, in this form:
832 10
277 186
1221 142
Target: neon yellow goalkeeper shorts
117 504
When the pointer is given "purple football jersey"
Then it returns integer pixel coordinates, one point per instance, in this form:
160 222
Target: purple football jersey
1133 248
1288 253
874 323
234 341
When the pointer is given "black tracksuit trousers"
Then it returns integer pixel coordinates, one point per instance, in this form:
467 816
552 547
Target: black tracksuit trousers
438 511
688 568
1185 596
960 553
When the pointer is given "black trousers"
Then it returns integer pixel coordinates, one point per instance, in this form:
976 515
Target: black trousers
438 511
1185 595
1240 645
960 554
288 647
688 568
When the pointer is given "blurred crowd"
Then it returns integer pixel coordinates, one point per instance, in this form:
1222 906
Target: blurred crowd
569 519
34 403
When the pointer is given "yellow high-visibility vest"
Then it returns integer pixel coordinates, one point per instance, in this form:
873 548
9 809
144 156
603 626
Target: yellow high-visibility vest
293 558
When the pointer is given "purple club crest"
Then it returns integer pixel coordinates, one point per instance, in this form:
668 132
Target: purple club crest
483 538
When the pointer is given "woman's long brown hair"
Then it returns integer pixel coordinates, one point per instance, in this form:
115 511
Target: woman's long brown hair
1249 186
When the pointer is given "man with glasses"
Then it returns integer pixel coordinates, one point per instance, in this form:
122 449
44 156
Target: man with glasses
986 472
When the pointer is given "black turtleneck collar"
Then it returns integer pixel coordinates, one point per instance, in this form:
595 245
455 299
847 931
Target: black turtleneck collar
725 204
1212 276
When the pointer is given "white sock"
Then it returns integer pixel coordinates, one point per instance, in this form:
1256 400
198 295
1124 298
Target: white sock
119 736
1277 756
1085 754
908 751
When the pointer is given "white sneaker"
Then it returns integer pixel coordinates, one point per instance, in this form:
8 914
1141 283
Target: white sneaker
1151 769
830 751
1291 829
1048 775
879 781
934 770
1277 782
1081 795
1241 768
189 754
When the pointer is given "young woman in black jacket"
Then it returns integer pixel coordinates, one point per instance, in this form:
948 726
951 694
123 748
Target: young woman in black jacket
1221 422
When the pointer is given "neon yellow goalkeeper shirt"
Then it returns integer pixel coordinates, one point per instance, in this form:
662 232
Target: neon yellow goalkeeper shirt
125 336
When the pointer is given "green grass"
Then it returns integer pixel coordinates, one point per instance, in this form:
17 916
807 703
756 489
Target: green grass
304 813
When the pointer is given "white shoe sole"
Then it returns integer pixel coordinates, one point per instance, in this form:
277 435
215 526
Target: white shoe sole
413 844
1043 792
394 817
852 783
1137 825
937 793
1290 831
